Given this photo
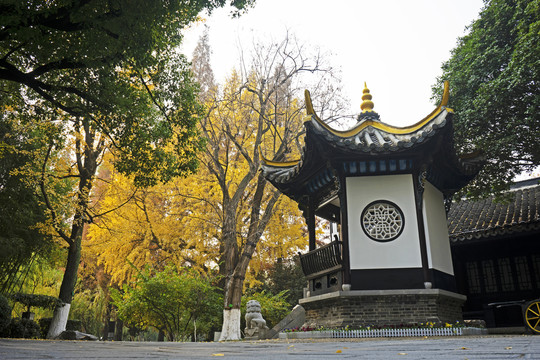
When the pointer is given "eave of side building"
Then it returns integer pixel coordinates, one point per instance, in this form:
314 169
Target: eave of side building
486 219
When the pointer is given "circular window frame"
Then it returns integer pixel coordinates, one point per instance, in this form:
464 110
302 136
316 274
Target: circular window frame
386 202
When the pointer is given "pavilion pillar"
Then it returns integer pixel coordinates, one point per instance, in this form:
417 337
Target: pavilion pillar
419 179
344 221
310 220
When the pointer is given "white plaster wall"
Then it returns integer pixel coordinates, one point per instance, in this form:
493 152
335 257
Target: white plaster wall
438 243
403 252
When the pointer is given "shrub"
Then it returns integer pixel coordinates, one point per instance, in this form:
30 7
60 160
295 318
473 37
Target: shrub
41 301
22 328
173 300
5 313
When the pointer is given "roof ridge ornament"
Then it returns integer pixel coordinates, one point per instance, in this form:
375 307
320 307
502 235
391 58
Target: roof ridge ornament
367 104
367 107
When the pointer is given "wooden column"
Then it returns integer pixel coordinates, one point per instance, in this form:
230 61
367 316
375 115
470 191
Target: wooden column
344 219
418 184
310 220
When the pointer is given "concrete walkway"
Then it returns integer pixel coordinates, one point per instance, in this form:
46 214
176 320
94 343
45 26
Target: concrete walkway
490 347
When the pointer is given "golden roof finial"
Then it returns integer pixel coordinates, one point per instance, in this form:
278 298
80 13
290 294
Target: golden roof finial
367 104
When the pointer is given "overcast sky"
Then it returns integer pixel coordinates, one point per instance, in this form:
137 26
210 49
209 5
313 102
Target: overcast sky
396 46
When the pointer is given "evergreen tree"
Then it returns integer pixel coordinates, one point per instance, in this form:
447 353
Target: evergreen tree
21 239
494 75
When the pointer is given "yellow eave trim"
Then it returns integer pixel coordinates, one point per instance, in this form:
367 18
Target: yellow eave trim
378 125
275 163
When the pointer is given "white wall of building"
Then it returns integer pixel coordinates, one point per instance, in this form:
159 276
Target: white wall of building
365 253
438 243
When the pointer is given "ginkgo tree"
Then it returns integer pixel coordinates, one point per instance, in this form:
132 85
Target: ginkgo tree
258 108
159 225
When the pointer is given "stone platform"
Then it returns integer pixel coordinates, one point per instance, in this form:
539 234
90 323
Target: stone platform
382 307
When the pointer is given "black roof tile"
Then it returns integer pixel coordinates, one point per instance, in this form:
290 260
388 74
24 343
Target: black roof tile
487 218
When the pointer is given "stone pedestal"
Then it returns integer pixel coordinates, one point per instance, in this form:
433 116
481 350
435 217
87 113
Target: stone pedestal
255 334
382 307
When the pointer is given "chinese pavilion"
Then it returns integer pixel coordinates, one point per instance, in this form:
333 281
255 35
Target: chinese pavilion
388 190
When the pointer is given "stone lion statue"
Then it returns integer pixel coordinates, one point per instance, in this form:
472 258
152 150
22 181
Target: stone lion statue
254 319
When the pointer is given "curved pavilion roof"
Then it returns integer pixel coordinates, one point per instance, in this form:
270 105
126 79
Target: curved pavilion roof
369 140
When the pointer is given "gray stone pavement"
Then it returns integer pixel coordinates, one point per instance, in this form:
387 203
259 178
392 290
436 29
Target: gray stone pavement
490 347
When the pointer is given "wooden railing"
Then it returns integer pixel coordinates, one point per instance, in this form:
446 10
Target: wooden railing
322 260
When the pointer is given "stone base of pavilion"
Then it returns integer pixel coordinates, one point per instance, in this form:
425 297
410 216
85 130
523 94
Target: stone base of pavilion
361 308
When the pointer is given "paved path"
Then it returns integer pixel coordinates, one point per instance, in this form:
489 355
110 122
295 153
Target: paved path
454 348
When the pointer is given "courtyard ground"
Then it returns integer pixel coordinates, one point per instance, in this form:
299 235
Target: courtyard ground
490 347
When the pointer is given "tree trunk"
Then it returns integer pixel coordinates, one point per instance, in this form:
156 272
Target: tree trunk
118 330
105 333
231 311
161 335
232 297
229 243
235 282
86 156
61 313
59 320
231 325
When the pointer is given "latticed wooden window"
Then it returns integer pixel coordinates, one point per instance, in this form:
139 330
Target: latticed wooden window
490 279
505 272
473 278
523 274
536 264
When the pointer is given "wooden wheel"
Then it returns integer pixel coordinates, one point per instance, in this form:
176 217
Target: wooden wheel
532 316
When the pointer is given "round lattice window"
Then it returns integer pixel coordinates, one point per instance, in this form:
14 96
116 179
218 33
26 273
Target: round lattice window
382 221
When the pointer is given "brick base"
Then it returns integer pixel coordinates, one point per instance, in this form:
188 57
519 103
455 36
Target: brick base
382 307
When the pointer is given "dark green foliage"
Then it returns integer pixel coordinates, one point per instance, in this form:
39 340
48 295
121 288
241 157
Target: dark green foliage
5 313
285 275
494 75
75 325
173 300
70 52
20 211
21 328
116 65
280 289
44 324
41 301
274 307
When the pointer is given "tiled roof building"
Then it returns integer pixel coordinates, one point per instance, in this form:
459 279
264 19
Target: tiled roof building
518 213
496 253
